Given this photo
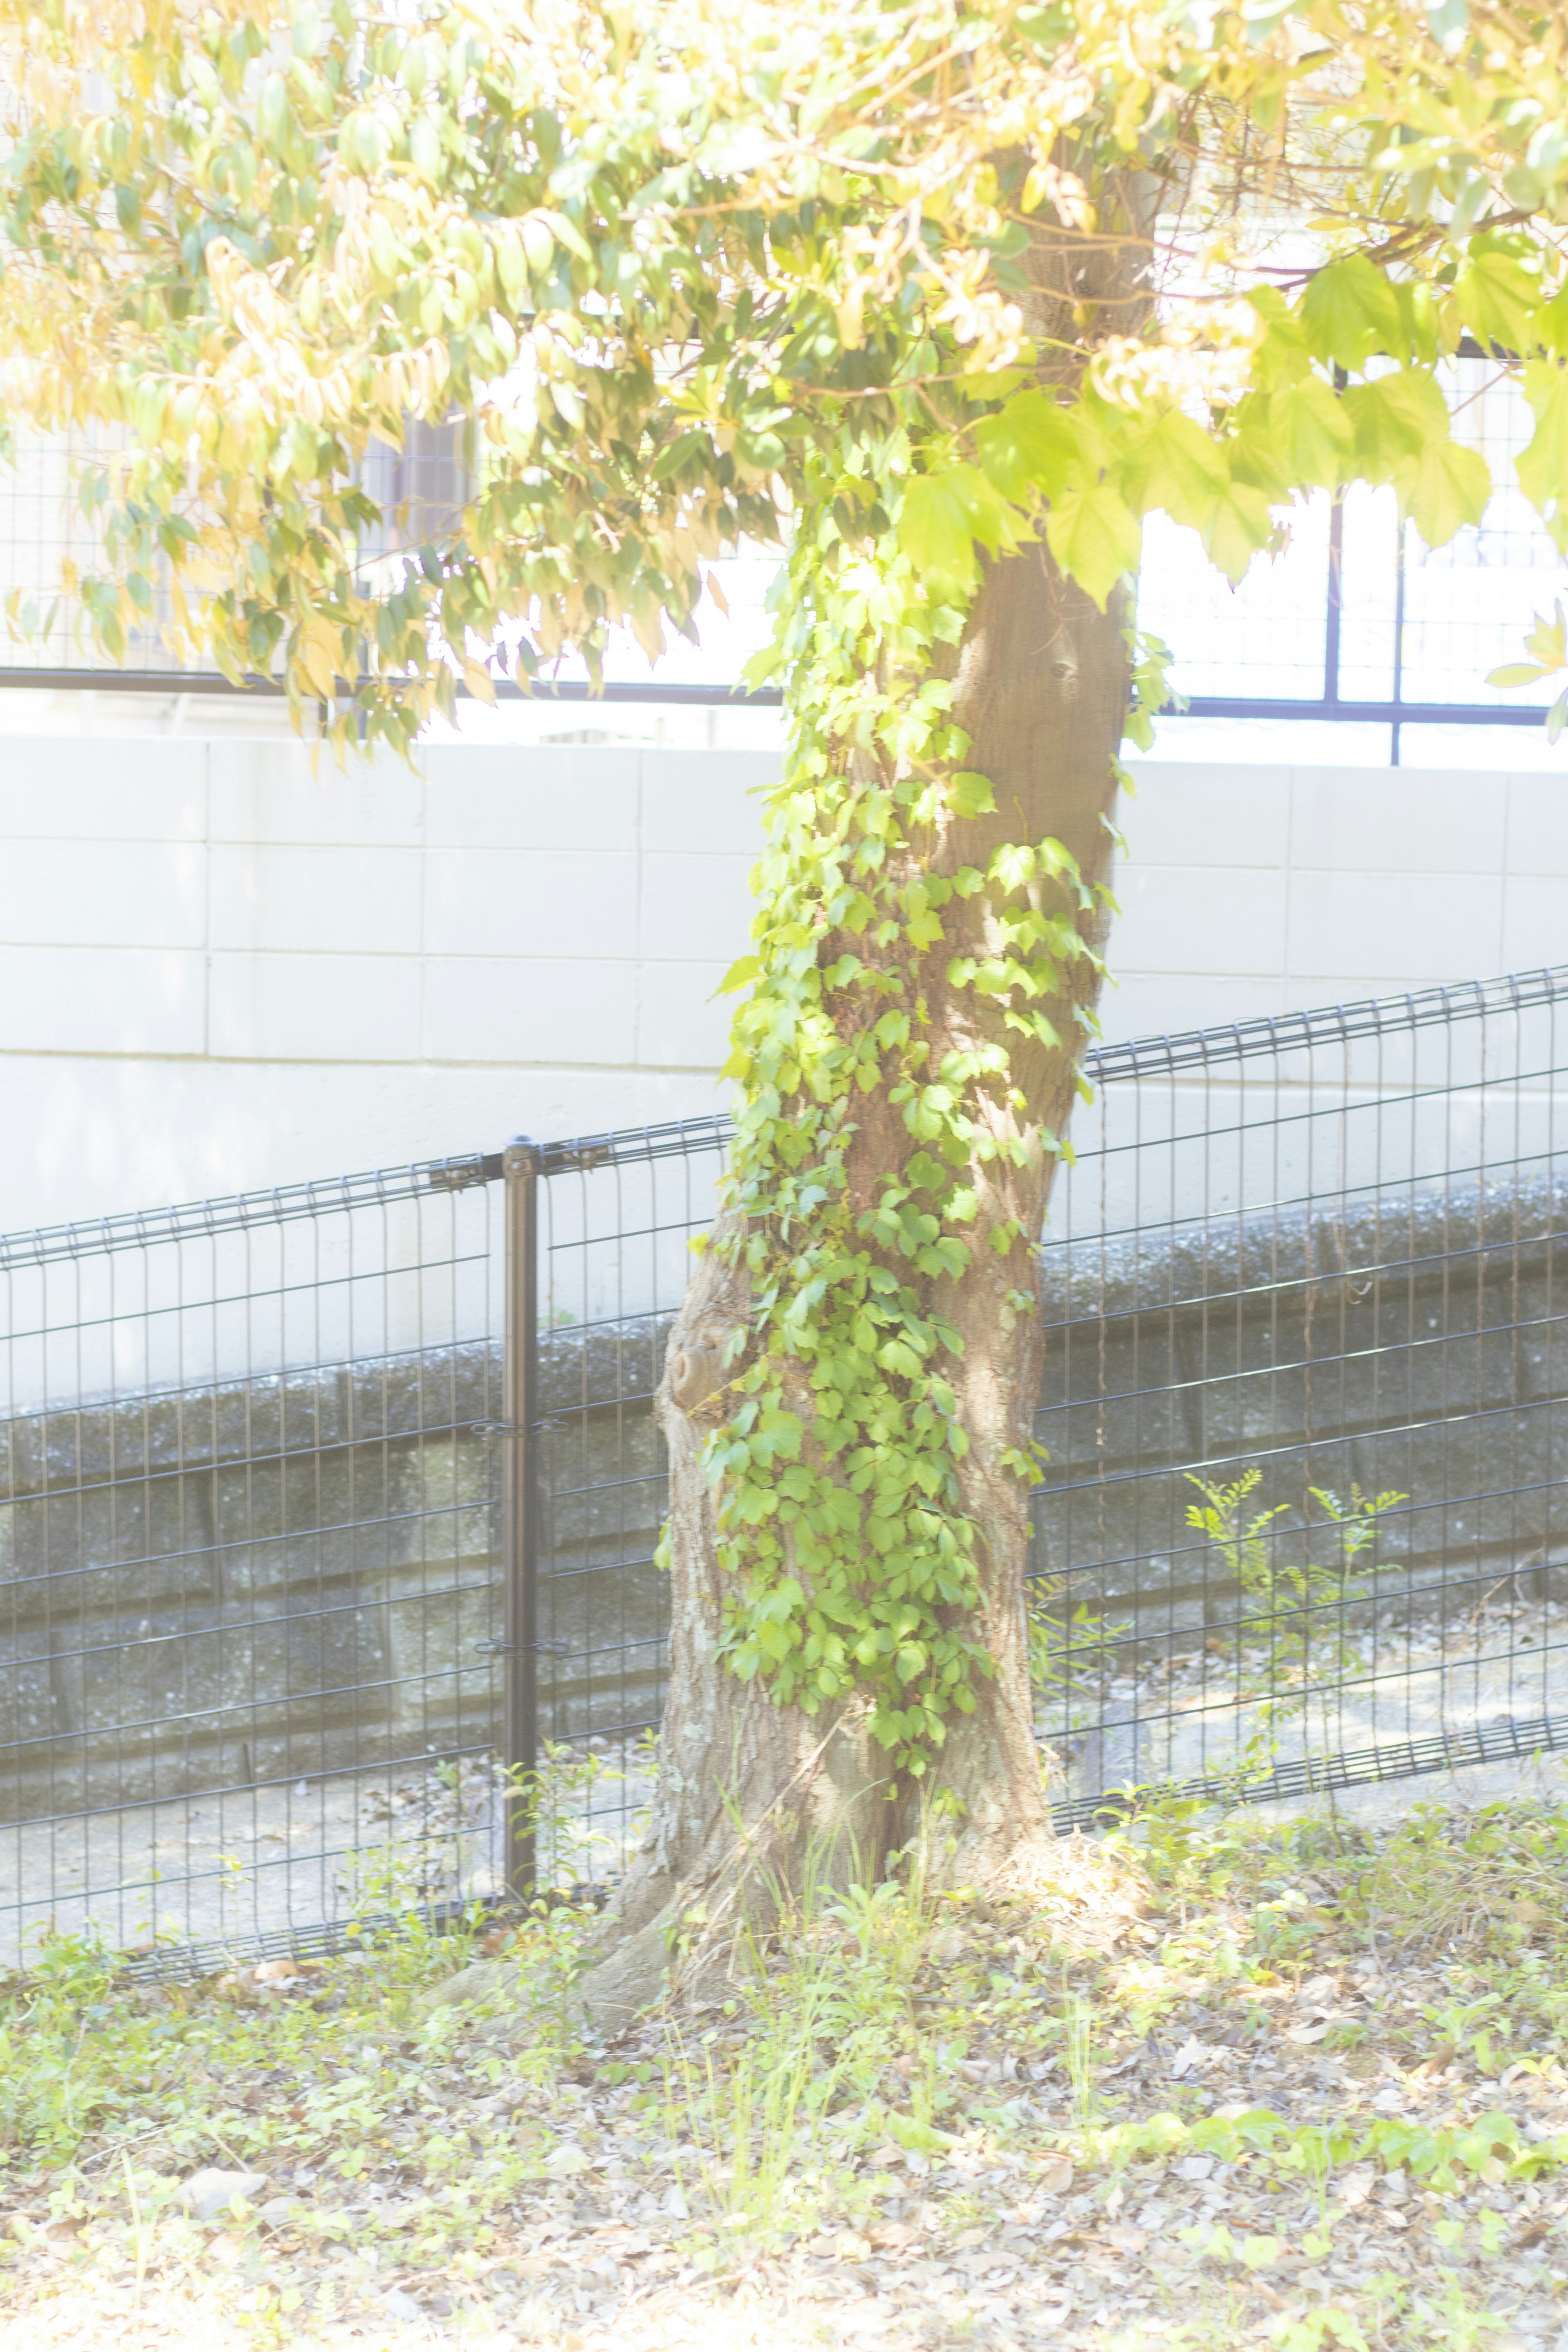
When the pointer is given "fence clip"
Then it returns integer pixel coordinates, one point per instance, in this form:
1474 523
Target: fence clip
459 1175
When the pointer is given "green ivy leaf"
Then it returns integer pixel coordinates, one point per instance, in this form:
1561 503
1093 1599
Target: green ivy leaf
943 515
1443 488
1497 299
1350 311
1095 537
1030 446
969 795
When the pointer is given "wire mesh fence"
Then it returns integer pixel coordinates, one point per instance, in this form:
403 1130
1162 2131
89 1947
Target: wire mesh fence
1304 1524
249 1648
57 561
617 1219
1357 618
325 1509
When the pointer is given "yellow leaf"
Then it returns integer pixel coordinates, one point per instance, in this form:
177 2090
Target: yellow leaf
317 657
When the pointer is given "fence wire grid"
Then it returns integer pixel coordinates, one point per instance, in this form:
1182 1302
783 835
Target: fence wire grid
323 1508
248 1565
1356 620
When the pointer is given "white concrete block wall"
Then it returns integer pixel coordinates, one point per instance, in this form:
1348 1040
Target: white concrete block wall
220 969
1250 890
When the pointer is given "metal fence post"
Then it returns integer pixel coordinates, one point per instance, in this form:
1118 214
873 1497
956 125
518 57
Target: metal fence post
520 1730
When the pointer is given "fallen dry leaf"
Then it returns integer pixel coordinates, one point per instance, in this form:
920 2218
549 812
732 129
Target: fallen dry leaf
890 2235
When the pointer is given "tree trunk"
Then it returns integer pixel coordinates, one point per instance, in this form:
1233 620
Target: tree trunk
751 1796
754 1801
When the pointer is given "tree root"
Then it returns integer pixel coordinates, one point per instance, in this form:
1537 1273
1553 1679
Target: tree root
633 1976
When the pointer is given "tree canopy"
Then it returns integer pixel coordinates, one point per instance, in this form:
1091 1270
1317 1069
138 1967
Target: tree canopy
685 265
909 290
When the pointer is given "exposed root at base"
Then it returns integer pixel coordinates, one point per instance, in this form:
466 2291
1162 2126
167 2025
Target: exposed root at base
1088 1896
1077 1894
1070 1892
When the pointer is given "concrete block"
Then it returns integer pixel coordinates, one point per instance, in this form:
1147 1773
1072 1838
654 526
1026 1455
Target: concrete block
315 1008
574 904
681 1024
1402 1344
278 793
695 803
89 789
532 796
299 1602
111 1001
1412 928
608 1363
1537 828
1535 921
517 1008
1391 821
1192 918
604 1493
329 900
1205 816
696 908
103 893
1139 1004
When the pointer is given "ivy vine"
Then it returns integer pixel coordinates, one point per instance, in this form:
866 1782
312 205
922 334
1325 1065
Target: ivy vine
844 1531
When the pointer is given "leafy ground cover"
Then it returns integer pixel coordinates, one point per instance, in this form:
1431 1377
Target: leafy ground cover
1296 2086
